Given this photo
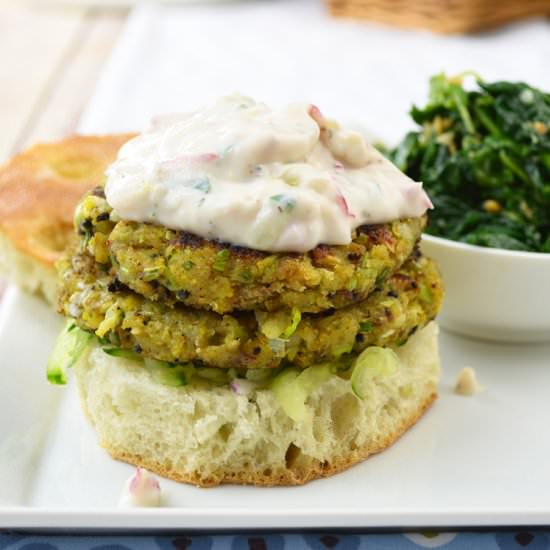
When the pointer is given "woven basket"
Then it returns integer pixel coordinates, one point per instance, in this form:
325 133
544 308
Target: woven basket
444 16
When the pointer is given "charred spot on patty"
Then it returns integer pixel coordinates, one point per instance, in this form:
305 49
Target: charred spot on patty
115 286
185 239
416 252
320 252
104 216
377 234
182 295
86 227
354 257
244 253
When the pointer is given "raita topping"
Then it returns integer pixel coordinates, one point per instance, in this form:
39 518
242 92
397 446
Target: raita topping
240 172
466 382
141 490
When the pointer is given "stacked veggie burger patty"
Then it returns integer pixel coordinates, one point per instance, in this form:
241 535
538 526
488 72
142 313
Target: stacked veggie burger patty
212 363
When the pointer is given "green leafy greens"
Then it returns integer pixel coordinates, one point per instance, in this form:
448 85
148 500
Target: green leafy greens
484 158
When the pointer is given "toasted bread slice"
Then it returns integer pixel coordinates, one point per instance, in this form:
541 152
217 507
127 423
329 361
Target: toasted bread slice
39 190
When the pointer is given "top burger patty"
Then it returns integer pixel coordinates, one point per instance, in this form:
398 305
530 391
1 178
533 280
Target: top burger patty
175 266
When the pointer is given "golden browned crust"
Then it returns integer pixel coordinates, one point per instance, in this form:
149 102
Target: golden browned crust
296 473
40 188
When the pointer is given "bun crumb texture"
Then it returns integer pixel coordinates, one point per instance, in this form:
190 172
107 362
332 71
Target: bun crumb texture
209 435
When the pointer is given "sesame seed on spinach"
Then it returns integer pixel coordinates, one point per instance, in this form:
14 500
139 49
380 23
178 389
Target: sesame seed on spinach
484 158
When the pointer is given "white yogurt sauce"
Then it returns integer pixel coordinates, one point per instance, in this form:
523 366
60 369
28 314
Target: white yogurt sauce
466 382
141 490
242 173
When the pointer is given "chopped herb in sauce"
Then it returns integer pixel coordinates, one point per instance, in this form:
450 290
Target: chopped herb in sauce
226 151
284 202
202 184
254 167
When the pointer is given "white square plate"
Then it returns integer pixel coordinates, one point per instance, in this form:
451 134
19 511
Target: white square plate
470 461
473 461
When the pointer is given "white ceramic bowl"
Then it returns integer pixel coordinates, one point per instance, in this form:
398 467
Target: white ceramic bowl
493 294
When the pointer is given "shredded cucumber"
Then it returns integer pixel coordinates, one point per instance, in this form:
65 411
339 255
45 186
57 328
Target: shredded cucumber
311 378
373 362
69 346
219 376
260 375
163 372
166 373
291 396
123 353
292 388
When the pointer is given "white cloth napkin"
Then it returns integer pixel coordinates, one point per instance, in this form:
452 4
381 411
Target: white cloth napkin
174 58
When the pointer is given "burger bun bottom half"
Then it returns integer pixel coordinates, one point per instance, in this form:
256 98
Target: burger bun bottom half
209 435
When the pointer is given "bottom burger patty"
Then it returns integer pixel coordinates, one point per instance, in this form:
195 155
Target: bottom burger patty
406 301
